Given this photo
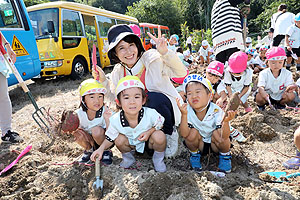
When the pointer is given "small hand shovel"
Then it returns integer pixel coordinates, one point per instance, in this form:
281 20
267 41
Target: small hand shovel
98 184
270 104
39 116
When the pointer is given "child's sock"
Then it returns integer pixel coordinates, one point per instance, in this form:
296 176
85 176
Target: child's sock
158 161
225 154
128 160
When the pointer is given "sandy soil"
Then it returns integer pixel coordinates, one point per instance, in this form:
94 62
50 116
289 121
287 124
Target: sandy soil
37 175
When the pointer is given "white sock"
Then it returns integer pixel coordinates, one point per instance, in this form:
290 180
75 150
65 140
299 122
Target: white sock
128 160
225 154
158 161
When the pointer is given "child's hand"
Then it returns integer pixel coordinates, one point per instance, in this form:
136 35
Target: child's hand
144 136
107 114
98 74
161 42
182 107
291 88
222 103
230 115
97 154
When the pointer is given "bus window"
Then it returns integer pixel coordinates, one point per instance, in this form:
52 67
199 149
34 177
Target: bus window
104 24
71 24
39 21
8 18
122 22
155 31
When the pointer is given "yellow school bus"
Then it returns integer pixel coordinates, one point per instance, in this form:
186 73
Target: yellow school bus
65 33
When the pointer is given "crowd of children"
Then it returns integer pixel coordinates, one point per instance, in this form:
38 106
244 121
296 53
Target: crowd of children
156 91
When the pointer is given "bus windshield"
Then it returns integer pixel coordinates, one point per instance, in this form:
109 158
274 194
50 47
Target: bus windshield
8 16
42 20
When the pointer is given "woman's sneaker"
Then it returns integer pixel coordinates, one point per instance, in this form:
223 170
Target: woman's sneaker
11 137
195 161
236 135
225 163
172 144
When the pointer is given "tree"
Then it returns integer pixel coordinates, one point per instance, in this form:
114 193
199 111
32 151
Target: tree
163 12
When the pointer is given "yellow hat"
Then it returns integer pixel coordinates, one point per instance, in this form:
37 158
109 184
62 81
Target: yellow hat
129 82
91 86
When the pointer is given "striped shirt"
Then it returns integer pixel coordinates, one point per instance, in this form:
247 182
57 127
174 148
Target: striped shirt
226 26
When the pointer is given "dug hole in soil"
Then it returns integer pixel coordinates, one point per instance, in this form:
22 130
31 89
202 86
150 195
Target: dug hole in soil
36 176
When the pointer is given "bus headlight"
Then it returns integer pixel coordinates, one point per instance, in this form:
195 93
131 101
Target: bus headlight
53 63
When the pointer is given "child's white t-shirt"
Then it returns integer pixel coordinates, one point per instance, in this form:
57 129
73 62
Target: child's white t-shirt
204 52
298 82
221 87
251 61
294 33
148 118
238 85
259 62
87 124
275 86
211 121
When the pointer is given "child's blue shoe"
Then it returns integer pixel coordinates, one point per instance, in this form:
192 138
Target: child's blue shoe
195 161
225 163
293 163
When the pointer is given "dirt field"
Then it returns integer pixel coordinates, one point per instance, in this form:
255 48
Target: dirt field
36 176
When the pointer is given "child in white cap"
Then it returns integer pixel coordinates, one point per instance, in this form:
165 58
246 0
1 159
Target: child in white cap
275 84
260 60
204 53
135 127
238 78
203 125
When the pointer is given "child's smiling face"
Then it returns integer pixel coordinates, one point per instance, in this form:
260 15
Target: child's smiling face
197 95
212 77
131 100
94 101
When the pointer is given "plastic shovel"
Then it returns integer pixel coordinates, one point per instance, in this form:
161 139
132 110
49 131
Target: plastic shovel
39 116
26 150
270 104
294 55
94 61
98 184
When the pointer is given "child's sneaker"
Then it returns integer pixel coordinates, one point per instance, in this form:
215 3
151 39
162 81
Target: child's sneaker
236 135
11 137
293 163
107 157
195 161
225 163
172 144
85 158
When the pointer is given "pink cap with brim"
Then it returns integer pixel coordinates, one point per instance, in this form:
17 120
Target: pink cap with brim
181 79
237 62
276 53
216 68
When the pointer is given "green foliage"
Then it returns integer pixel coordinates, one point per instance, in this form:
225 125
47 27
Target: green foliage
34 2
163 12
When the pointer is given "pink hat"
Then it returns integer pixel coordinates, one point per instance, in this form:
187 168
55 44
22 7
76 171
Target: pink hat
181 79
216 68
136 29
276 53
237 62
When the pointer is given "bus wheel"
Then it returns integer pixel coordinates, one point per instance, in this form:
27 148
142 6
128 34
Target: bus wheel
78 68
